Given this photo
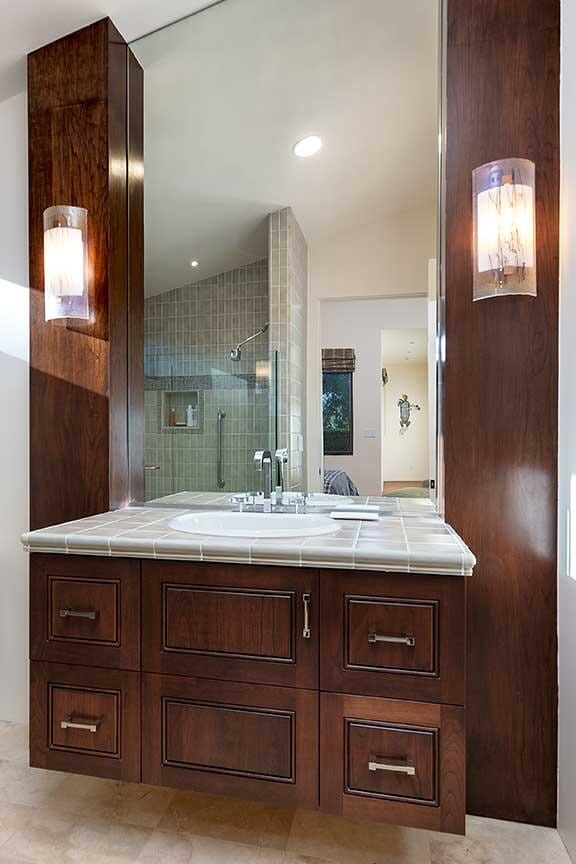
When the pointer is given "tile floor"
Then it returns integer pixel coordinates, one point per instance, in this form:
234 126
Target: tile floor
49 818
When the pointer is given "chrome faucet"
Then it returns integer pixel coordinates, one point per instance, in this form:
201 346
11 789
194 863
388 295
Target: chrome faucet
281 457
263 462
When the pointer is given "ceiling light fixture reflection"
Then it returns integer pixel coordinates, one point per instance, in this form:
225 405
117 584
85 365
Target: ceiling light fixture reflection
308 146
194 263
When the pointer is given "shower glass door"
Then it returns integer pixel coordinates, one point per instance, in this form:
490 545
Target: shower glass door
206 413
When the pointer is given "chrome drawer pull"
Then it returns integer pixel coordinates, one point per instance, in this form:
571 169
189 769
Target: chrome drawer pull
73 613
393 765
84 727
306 632
396 640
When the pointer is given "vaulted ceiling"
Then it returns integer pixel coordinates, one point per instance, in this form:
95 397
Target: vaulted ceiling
231 90
29 24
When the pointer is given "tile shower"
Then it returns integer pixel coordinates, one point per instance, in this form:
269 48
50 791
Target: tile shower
189 332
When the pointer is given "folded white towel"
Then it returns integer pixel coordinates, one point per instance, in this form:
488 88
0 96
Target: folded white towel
367 508
364 515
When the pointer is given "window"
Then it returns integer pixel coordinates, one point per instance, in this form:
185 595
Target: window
337 411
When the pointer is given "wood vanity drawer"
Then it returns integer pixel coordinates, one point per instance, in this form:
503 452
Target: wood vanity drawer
393 761
391 635
231 622
85 610
85 720
230 738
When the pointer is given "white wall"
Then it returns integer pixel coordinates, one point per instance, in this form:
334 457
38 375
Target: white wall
567 446
383 258
14 407
358 324
405 457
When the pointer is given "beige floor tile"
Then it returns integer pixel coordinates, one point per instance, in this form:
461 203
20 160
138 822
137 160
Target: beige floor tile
334 839
270 856
127 803
31 787
491 841
98 841
14 743
207 850
168 847
36 834
231 819
11 859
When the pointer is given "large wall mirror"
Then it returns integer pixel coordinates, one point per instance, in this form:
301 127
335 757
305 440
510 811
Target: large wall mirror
291 237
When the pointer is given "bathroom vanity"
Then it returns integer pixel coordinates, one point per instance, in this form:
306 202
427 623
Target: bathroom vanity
321 673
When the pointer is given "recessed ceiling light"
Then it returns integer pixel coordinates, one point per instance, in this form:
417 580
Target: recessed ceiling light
194 263
308 146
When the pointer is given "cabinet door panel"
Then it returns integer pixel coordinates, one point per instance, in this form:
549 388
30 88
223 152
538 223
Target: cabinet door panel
221 621
230 738
231 622
395 636
242 741
385 760
85 610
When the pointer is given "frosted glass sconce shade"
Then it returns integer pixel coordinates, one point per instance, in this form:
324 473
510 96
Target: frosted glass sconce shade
504 228
65 263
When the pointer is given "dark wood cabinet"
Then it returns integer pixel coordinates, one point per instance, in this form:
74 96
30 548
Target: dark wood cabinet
398 636
248 740
338 690
231 622
394 761
85 610
85 720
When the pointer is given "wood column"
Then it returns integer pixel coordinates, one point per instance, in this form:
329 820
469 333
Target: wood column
79 370
503 77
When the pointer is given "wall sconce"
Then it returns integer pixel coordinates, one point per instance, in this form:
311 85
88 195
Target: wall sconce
504 228
65 263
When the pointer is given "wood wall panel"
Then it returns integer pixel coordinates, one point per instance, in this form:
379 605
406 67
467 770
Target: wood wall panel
501 406
77 99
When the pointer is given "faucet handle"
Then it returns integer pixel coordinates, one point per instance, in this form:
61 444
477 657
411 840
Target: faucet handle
282 455
259 459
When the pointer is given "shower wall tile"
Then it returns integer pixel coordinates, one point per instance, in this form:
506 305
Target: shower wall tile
189 332
288 277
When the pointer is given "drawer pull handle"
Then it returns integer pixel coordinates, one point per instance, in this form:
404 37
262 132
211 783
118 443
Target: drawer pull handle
306 632
74 613
396 640
68 723
397 765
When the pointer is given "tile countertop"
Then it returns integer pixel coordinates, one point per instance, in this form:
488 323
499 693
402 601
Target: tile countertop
410 538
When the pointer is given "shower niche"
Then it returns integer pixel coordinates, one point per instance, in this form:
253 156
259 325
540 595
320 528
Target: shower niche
181 410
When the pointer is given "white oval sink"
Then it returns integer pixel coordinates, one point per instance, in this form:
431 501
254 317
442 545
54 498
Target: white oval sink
258 525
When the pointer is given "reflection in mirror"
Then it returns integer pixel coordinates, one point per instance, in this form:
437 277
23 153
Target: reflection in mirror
290 264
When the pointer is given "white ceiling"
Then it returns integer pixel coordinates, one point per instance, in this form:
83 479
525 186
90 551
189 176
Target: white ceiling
404 346
228 93
29 24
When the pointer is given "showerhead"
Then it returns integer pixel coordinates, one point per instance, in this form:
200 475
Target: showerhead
236 353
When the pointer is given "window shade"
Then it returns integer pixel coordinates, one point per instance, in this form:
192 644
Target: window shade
338 360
